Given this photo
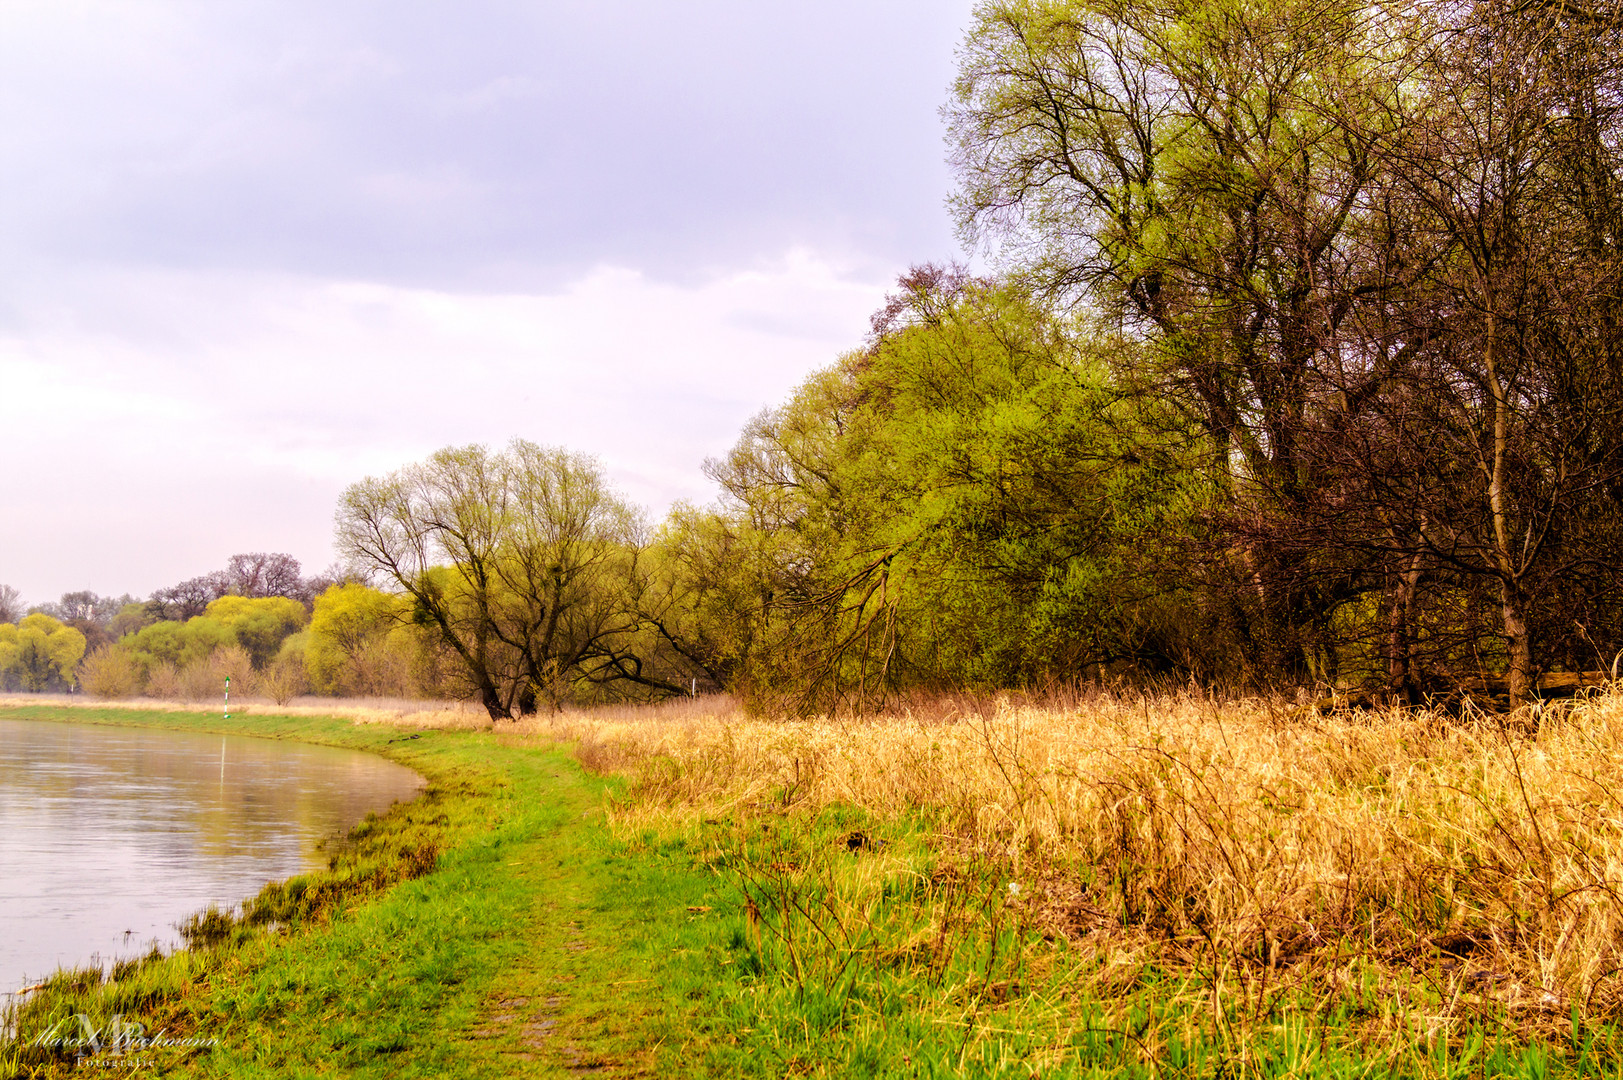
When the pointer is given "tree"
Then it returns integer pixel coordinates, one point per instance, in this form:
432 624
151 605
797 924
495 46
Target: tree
709 594
254 574
1510 163
85 606
88 613
39 653
130 618
1189 169
259 624
966 501
189 598
522 562
178 644
12 607
264 574
361 641
1472 474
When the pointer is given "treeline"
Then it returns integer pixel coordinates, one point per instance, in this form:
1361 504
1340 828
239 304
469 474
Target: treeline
258 621
1303 366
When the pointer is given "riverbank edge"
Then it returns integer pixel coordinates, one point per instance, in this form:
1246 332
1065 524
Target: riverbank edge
478 801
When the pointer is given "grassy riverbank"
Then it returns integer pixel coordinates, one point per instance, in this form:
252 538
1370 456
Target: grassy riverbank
529 946
1104 887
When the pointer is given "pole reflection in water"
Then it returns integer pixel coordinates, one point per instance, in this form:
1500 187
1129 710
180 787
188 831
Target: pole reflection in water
110 836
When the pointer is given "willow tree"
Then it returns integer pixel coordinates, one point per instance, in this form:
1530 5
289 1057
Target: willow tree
523 562
39 653
1189 169
963 502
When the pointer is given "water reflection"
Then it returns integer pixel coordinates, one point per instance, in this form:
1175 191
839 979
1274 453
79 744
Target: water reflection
110 836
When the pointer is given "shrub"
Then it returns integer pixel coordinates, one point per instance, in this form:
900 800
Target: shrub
204 680
111 672
163 681
283 678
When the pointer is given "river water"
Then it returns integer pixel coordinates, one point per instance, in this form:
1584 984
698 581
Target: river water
111 836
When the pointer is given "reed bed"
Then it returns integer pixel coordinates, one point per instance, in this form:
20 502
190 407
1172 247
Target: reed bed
1409 871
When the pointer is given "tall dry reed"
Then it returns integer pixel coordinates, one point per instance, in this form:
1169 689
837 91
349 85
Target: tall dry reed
1476 862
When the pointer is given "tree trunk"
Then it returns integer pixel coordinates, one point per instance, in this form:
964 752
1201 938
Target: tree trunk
1519 673
1400 674
492 701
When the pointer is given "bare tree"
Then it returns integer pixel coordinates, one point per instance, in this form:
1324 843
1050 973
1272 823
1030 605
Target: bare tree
259 574
190 597
1506 172
11 604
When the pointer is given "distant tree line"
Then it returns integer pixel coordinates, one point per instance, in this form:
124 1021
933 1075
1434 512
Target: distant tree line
181 642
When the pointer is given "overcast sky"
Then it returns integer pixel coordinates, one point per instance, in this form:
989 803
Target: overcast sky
253 252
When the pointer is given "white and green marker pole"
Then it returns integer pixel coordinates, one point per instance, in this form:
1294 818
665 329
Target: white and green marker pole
228 697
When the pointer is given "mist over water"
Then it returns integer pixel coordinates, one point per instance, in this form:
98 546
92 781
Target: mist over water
109 836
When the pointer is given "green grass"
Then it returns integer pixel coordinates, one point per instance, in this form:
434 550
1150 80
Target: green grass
499 927
532 947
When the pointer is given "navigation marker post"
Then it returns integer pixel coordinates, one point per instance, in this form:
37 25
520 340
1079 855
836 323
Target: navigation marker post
228 697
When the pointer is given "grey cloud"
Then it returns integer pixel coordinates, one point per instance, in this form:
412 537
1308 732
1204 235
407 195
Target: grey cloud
480 143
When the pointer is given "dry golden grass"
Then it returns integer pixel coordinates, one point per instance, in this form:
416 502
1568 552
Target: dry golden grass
1470 868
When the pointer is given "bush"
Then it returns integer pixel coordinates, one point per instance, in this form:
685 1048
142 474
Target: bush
204 680
196 682
111 672
283 678
163 681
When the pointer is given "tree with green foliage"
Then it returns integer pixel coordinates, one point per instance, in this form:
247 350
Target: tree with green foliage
1202 173
259 624
39 653
524 564
177 644
967 501
363 641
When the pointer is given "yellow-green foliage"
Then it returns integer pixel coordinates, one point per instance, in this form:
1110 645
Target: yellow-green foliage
259 624
177 644
965 501
111 672
236 635
39 653
359 642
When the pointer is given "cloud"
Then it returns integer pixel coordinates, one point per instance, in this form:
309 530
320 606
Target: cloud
484 145
191 415
256 251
